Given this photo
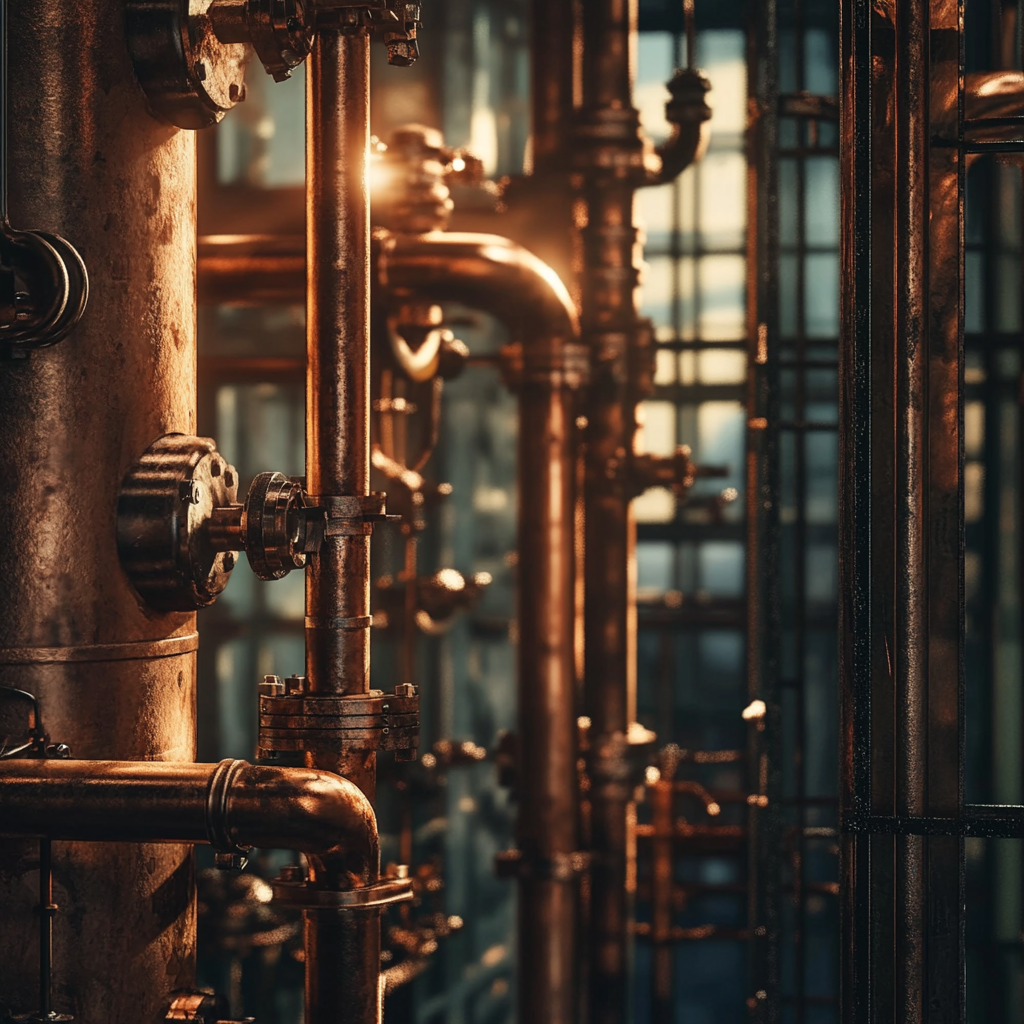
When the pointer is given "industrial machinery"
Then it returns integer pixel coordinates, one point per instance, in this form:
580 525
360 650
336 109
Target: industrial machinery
651 834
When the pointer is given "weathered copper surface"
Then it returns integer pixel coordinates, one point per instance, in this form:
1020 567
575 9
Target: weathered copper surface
89 162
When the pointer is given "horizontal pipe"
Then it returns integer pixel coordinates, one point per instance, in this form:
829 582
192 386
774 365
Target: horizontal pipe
487 271
230 804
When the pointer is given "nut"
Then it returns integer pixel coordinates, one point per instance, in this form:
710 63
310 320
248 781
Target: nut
272 686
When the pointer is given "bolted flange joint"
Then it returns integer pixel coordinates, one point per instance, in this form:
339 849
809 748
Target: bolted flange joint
303 722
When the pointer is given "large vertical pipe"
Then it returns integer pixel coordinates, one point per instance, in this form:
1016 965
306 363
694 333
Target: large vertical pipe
114 678
342 948
547 822
610 326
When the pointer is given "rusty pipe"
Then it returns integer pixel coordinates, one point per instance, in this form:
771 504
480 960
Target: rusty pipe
494 274
491 273
342 948
114 679
338 361
230 805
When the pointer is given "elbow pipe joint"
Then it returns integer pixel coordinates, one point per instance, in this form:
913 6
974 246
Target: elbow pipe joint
498 276
688 113
233 806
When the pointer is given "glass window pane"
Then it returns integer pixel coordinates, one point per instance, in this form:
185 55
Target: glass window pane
723 206
723 282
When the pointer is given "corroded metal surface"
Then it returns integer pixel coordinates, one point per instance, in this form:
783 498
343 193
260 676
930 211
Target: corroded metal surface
342 947
88 161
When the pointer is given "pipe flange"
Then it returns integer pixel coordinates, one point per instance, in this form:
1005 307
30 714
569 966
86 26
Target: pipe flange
164 510
366 897
190 77
271 526
310 722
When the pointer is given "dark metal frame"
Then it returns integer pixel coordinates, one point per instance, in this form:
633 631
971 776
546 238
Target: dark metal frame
904 816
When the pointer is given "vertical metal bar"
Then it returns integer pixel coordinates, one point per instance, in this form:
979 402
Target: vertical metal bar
911 590
944 538
342 949
764 624
856 618
800 544
46 912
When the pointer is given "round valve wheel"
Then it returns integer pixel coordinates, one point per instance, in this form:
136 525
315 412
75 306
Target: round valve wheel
163 515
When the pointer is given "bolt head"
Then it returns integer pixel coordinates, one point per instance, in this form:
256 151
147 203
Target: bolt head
272 686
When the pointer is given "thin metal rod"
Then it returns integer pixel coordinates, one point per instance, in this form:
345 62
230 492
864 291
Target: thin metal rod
911 472
47 909
690 22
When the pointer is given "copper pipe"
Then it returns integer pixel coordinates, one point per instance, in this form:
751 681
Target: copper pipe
342 948
338 358
486 271
494 274
556 49
491 273
610 328
87 160
232 804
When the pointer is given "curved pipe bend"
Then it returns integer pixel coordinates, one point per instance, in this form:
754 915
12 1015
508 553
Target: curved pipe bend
230 805
488 272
